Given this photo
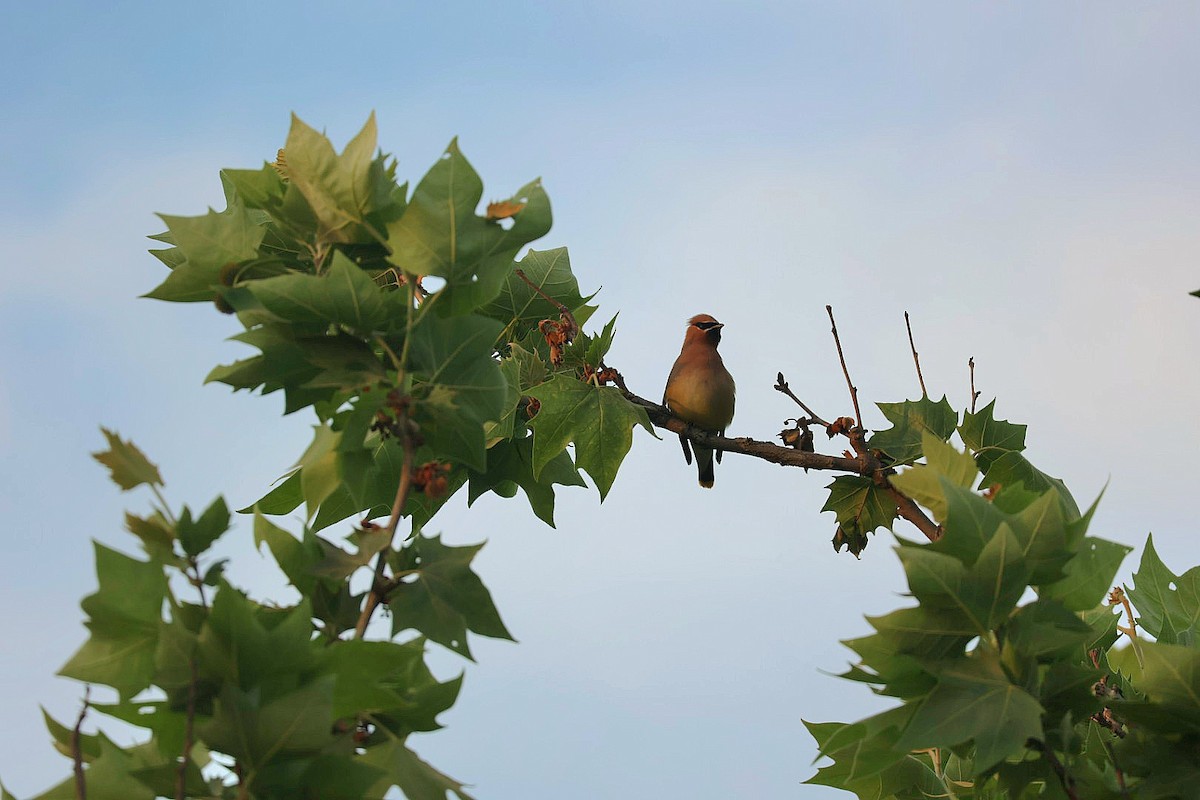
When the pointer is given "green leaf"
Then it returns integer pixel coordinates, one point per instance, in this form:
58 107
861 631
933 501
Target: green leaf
440 234
984 595
254 732
296 559
196 536
519 307
924 482
989 437
336 563
127 465
89 744
911 420
207 243
447 598
598 420
390 682
283 499
861 506
405 770
319 473
1012 468
124 616
1046 628
343 295
1165 600
254 647
112 774
511 462
1044 538
1089 575
339 190
284 364
975 701
1171 676
156 533
971 522
460 386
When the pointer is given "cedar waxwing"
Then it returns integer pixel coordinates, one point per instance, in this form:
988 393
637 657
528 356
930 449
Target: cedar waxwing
700 390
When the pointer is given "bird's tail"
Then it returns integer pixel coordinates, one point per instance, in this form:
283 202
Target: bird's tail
704 463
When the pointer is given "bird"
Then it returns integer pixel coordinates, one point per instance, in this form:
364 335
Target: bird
700 390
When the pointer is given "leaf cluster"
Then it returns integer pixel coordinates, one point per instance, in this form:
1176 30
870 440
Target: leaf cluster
1007 673
404 321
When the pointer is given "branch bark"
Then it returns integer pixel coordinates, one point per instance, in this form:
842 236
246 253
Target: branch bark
865 464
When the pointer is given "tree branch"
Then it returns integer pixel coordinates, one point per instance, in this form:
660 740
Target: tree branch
77 748
916 358
379 590
1068 783
974 394
781 385
865 464
767 451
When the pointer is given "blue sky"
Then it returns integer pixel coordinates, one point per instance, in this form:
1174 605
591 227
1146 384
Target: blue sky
1021 177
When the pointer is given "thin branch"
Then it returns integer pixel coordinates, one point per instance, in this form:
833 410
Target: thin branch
1068 783
767 451
865 464
910 511
916 358
974 394
781 385
77 748
841 357
378 591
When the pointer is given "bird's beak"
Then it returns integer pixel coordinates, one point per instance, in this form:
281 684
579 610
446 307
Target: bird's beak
717 327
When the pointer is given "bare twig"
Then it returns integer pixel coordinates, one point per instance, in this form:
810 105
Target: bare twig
974 394
781 385
1068 783
841 357
77 747
378 591
916 358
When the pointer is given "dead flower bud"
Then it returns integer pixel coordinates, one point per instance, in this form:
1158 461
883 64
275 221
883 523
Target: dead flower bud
430 477
791 437
839 425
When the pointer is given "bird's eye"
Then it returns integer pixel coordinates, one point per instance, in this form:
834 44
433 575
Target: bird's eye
706 326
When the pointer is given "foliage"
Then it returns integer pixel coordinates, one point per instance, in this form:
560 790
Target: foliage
433 359
1001 698
424 349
